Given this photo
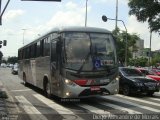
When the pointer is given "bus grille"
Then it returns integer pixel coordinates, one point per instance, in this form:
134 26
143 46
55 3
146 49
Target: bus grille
88 92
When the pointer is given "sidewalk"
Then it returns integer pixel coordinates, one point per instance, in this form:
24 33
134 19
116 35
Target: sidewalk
8 109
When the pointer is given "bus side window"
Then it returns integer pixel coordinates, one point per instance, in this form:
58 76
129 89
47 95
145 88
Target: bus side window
42 48
19 54
33 51
38 49
53 51
27 53
47 47
23 54
53 55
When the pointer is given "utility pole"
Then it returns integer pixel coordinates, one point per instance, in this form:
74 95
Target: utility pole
150 48
104 18
86 14
1 13
116 14
23 35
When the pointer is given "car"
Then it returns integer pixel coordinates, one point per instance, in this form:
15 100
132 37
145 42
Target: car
3 65
149 74
11 65
14 69
156 71
132 81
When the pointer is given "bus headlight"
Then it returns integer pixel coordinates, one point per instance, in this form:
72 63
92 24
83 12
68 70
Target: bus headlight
115 80
70 82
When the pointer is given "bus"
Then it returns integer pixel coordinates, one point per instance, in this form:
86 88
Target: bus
71 62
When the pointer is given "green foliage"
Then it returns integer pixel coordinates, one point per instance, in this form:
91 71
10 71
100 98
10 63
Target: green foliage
4 61
146 10
12 60
121 44
138 62
155 59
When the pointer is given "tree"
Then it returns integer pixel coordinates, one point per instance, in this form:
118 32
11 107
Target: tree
155 59
12 60
146 10
138 62
121 43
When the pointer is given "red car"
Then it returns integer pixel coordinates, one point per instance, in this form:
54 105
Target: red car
156 71
149 74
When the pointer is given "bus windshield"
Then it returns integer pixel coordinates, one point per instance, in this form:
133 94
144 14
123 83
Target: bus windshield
89 51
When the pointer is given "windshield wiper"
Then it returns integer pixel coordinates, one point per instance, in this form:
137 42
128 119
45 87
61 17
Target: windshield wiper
80 69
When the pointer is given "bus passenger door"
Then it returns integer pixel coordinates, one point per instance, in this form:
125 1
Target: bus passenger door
55 76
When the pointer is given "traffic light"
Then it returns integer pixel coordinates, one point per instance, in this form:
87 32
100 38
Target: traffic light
4 42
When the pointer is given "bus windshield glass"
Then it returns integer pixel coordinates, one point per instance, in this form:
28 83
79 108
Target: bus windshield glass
89 51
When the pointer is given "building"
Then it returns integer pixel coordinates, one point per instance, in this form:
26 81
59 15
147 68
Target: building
140 49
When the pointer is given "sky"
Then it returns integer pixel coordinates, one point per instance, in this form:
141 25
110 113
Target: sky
24 21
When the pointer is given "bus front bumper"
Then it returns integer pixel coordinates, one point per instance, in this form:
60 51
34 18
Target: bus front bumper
77 91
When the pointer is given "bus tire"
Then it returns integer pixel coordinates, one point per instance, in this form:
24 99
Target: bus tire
47 88
24 79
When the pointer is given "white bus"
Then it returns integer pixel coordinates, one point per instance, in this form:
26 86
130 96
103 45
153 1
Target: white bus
71 62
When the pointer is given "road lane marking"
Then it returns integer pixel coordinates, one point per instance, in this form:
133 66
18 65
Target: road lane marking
1 84
157 93
94 109
131 103
129 111
66 113
139 100
20 90
33 113
157 99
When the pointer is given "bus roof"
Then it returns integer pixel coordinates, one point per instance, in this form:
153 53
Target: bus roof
80 29
71 29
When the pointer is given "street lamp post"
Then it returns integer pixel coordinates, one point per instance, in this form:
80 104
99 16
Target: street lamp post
23 34
150 48
116 14
104 18
2 12
86 14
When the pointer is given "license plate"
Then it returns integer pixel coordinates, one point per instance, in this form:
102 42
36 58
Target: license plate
95 88
151 88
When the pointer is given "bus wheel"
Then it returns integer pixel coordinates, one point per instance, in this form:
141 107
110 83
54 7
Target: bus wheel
24 80
47 89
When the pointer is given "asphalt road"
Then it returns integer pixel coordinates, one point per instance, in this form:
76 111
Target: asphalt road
30 104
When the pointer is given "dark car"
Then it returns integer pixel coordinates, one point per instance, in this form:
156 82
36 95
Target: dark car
14 69
133 81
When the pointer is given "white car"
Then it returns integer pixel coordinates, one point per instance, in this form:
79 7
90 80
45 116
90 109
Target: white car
3 65
14 69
